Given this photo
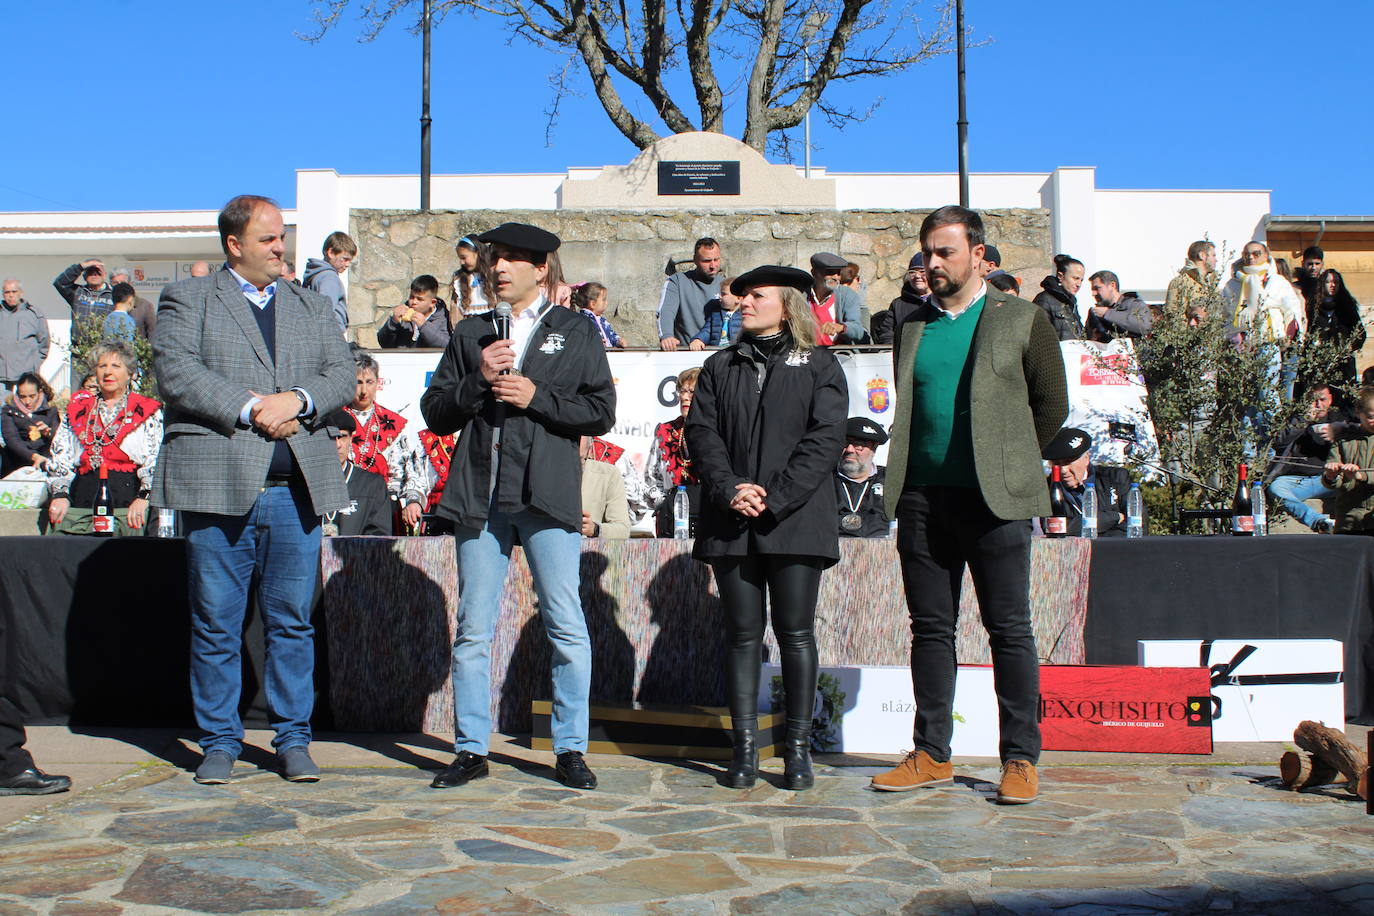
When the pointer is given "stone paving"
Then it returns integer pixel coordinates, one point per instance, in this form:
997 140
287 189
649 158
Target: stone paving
664 838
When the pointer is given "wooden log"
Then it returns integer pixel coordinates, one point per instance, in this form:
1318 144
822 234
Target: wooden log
1294 768
1331 749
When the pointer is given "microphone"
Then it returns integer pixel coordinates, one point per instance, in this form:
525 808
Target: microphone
501 317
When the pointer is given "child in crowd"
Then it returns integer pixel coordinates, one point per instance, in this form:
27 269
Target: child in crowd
119 323
421 322
723 322
590 299
469 283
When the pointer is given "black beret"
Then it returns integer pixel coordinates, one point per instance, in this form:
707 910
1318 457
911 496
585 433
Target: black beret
990 253
342 420
521 236
864 428
824 260
771 275
1067 445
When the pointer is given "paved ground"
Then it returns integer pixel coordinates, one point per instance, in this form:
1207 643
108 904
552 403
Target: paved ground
1110 835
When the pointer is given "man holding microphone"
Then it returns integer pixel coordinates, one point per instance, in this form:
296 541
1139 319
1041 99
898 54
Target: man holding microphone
522 398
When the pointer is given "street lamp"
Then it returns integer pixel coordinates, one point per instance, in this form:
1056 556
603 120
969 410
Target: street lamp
424 112
963 112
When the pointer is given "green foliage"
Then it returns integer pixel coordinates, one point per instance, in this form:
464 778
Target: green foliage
1217 398
90 331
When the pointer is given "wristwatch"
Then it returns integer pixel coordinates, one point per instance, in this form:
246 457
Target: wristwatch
305 401
144 493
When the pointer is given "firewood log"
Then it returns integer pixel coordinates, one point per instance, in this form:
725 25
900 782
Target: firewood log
1331 750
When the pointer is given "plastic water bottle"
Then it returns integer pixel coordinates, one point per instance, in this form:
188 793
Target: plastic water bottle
1258 509
1089 529
166 523
682 514
1135 513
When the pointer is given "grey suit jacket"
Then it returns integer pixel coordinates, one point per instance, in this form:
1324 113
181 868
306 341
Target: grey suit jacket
208 353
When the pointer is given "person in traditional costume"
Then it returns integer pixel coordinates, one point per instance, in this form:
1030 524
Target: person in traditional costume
115 430
382 446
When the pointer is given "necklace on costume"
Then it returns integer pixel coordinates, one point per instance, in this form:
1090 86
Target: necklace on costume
367 449
330 529
102 427
853 521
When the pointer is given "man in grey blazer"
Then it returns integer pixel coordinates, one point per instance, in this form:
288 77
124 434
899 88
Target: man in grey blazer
246 367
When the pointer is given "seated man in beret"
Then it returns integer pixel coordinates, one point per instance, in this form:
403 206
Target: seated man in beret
1071 450
859 482
369 509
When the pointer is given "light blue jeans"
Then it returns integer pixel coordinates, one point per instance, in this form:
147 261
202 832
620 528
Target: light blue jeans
1292 490
554 554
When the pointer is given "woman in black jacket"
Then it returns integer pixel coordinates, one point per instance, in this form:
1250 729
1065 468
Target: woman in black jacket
1059 297
28 422
765 431
1336 316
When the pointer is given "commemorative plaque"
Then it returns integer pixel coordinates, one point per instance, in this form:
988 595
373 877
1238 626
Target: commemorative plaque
680 179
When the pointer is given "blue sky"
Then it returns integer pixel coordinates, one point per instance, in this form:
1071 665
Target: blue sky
153 104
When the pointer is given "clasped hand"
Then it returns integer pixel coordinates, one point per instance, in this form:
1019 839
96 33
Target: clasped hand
513 389
749 500
276 414
1336 469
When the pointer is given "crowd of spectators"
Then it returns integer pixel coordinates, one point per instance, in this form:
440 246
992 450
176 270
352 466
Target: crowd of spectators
696 311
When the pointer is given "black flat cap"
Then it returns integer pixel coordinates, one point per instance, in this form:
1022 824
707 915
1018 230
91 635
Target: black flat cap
824 260
1067 445
990 253
864 428
771 275
341 420
522 236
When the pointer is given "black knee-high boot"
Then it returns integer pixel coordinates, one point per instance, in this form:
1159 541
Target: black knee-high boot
744 768
796 757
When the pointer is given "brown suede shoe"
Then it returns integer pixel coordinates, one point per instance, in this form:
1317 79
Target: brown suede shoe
1020 785
916 771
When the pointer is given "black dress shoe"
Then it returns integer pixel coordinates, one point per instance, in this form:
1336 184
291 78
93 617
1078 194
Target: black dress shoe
34 781
466 767
573 772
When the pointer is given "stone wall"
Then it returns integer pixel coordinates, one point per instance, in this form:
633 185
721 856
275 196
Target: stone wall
627 251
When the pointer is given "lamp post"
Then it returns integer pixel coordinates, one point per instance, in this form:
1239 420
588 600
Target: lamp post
963 112
424 113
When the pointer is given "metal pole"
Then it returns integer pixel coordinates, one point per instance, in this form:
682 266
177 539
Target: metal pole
806 121
963 112
424 115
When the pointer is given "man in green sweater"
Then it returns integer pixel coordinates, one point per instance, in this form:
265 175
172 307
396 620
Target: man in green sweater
980 390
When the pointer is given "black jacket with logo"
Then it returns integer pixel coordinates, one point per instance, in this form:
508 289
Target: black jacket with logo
574 396
1113 485
369 509
777 421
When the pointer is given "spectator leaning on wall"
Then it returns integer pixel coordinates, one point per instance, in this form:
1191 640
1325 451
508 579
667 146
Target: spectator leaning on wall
682 308
325 275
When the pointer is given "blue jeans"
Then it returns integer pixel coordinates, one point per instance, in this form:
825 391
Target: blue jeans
279 540
554 554
1292 490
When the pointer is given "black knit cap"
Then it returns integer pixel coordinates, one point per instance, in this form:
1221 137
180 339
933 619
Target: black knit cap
771 275
521 236
1068 444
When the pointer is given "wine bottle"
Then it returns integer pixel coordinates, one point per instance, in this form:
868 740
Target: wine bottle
102 514
1057 523
1242 507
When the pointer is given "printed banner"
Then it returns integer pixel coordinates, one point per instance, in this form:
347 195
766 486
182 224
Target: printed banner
1125 710
1108 400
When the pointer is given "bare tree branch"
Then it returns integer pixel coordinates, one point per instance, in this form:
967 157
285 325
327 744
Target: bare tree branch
781 56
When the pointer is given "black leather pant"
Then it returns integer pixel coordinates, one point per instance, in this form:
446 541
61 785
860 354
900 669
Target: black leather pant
792 584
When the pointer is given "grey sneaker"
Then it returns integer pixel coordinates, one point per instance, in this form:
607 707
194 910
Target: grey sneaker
215 769
1324 525
297 766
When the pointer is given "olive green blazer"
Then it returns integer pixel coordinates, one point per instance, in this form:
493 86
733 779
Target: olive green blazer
1018 398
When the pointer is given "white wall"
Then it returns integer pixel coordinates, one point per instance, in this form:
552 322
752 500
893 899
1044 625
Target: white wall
918 192
1143 236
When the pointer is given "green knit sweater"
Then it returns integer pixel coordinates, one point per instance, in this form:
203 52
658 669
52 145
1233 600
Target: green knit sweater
941 448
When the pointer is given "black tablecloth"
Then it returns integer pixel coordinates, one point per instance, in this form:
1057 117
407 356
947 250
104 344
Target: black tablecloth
102 634
1279 587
